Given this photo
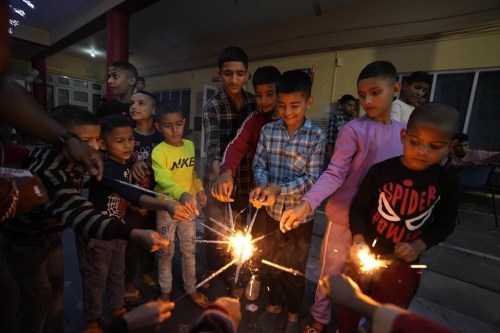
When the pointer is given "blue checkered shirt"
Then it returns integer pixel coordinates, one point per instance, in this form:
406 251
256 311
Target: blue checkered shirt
294 163
337 120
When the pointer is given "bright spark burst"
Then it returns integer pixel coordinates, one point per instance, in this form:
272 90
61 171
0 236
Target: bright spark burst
241 246
368 262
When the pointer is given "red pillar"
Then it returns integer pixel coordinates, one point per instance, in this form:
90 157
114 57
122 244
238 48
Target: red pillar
117 25
40 89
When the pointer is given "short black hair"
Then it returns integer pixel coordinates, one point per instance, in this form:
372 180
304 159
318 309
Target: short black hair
435 113
73 116
295 81
346 98
141 78
461 137
167 107
266 75
419 76
379 69
233 53
110 123
127 67
147 93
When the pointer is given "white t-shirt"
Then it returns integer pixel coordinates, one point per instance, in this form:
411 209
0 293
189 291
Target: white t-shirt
401 111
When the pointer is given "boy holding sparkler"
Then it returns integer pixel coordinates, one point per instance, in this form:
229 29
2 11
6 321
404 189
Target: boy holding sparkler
173 166
404 206
288 161
360 143
102 262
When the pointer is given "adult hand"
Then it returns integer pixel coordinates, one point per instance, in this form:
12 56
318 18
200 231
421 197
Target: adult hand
232 306
149 239
80 153
148 315
291 217
223 187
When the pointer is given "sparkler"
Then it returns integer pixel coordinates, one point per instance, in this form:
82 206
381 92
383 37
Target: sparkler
368 262
283 268
139 188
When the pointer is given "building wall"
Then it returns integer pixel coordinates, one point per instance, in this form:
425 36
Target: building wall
76 67
331 81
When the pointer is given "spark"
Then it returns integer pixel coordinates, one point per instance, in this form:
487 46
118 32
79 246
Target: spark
374 242
230 215
249 229
283 268
213 275
418 266
368 262
213 230
222 225
211 241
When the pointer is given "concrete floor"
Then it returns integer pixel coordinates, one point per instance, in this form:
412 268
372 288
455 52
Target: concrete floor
460 289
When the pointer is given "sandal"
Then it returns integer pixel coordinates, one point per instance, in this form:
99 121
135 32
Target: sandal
199 299
134 298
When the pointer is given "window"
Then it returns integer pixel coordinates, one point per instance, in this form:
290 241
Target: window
68 90
475 95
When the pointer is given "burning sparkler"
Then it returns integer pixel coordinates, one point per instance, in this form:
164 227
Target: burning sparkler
368 262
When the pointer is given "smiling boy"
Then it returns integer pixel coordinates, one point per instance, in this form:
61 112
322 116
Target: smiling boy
288 161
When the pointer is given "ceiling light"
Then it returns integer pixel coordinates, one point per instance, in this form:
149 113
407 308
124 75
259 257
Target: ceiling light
92 54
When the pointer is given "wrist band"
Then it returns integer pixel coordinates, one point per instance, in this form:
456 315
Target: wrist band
62 139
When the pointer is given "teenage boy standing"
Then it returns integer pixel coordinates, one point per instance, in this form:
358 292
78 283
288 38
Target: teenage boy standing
223 115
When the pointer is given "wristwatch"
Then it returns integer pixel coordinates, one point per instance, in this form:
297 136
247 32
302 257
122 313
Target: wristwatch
62 139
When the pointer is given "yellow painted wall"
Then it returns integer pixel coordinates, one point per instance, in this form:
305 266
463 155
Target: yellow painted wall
331 82
76 67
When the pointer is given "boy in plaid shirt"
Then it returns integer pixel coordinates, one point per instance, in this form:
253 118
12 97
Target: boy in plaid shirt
288 161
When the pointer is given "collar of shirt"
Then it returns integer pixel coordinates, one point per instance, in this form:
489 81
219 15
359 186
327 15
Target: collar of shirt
306 126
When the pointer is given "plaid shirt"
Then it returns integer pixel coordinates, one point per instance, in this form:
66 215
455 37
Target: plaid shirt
222 120
292 162
337 120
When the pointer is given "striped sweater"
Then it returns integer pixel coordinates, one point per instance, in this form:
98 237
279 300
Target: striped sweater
67 208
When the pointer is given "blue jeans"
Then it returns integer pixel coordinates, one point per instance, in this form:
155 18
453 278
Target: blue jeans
102 267
166 227
37 266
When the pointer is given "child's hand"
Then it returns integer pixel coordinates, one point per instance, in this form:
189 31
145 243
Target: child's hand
148 315
203 198
255 195
140 171
142 211
409 252
149 239
291 217
190 203
177 211
223 187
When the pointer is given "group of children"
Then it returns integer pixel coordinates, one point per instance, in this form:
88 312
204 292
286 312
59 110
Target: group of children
383 183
